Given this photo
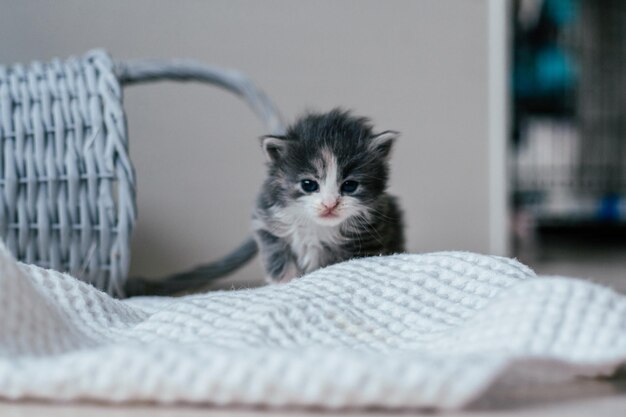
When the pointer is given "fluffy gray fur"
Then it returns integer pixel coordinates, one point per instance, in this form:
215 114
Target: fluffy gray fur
324 201
298 231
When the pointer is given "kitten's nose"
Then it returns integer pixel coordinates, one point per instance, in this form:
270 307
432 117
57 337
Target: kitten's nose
330 205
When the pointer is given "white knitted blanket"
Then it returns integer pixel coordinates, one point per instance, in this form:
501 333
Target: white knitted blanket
434 330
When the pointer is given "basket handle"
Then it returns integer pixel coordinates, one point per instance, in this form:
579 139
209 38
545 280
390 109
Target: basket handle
140 71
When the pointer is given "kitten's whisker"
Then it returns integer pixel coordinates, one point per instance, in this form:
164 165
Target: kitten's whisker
357 235
380 238
381 214
368 226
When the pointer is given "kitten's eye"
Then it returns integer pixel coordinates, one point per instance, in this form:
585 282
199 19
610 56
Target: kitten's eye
349 187
309 186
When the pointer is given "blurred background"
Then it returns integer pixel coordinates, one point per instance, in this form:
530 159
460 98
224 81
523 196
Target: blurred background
568 149
419 67
510 113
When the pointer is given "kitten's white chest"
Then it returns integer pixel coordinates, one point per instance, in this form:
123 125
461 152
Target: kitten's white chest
310 243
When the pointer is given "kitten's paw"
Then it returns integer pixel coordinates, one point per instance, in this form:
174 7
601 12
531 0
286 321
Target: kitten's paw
289 272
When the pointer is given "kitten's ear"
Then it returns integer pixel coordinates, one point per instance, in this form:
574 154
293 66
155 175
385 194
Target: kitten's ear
383 142
274 147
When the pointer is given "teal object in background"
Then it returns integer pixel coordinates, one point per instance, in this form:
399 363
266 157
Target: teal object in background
561 12
554 71
542 68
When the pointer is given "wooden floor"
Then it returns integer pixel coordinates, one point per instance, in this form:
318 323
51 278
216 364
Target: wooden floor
580 398
601 263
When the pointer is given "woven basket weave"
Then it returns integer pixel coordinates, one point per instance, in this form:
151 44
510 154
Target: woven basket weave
67 185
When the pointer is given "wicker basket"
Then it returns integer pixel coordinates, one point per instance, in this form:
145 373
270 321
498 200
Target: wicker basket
67 185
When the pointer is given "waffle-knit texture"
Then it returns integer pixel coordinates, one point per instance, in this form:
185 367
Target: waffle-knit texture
67 185
432 330
67 188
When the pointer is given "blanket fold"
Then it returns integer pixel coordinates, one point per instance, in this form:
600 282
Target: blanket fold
433 330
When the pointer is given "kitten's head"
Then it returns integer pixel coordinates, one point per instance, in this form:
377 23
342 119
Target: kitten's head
329 167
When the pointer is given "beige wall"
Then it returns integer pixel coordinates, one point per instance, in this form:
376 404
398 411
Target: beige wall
417 66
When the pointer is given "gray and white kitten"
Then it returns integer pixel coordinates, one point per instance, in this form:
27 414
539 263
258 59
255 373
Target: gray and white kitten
324 200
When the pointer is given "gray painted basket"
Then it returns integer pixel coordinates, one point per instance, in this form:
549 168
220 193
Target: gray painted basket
67 185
